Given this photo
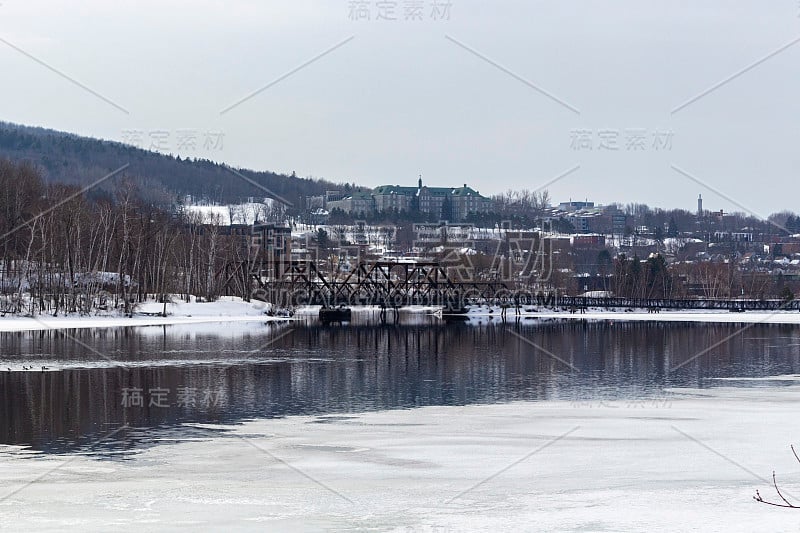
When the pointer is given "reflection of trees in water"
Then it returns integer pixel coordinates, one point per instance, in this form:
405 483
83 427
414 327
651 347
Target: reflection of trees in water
363 367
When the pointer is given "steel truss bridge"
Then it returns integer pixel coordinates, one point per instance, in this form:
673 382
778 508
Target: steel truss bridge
382 283
582 302
389 284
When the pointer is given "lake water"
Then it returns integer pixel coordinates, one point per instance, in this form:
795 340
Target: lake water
155 380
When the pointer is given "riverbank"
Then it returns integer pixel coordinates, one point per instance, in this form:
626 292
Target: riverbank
232 309
485 313
723 317
226 309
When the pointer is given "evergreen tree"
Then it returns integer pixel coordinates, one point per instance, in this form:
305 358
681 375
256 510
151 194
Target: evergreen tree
322 239
672 229
604 266
447 209
787 295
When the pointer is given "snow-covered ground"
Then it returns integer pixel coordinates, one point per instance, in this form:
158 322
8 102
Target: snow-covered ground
232 309
749 317
485 313
226 309
691 463
224 215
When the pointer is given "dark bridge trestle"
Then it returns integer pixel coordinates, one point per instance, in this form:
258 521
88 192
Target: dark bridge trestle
397 284
681 303
381 283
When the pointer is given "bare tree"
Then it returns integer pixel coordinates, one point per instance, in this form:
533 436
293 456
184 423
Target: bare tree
786 503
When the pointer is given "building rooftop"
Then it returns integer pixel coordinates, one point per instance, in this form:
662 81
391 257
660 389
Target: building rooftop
396 189
433 191
361 195
465 191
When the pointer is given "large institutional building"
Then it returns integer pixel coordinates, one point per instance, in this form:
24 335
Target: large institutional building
443 203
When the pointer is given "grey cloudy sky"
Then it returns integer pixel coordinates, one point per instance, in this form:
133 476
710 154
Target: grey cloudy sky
461 97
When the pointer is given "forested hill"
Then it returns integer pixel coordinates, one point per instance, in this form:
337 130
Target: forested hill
67 158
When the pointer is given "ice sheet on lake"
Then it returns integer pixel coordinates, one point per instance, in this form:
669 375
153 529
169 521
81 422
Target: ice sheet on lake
786 377
692 463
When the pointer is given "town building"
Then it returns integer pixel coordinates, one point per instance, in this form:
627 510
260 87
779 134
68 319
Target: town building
273 247
465 201
575 206
357 204
393 198
272 242
441 203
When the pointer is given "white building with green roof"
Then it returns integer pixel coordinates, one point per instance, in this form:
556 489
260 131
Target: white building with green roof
444 203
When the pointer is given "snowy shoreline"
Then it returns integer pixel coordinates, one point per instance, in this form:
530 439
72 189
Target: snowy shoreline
226 309
722 317
235 310
37 324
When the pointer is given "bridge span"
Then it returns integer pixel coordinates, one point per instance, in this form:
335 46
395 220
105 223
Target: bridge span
397 284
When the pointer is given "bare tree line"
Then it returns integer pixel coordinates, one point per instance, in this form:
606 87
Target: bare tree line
64 253
521 202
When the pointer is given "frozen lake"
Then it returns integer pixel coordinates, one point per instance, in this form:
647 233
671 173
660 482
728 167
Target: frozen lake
419 426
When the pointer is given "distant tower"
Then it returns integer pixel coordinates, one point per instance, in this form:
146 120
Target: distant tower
700 205
420 181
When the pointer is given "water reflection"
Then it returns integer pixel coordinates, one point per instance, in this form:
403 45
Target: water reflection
175 377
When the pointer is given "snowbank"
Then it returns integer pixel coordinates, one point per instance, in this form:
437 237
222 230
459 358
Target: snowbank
226 309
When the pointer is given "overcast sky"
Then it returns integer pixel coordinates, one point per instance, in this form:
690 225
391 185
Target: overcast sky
499 95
